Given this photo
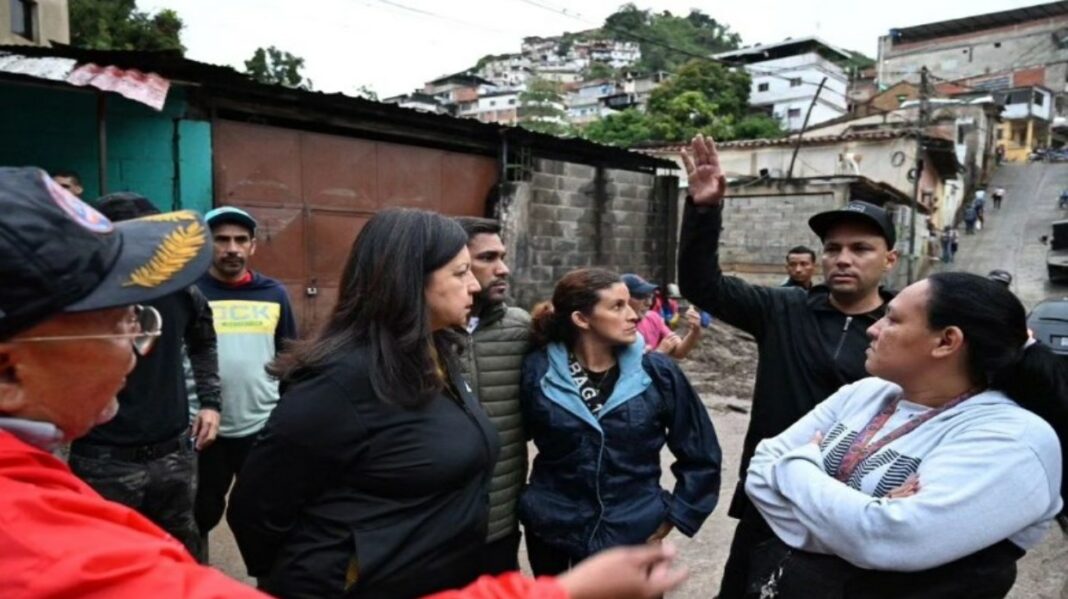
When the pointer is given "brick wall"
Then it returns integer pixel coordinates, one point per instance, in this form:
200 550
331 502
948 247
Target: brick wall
571 216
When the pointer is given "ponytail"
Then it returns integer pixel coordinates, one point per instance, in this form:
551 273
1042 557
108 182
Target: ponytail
578 291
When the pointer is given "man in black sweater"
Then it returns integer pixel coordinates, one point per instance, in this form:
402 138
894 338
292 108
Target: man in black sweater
810 344
144 458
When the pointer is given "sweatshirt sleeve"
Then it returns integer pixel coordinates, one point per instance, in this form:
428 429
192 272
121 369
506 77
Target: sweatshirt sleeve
202 348
977 488
701 281
692 440
287 322
512 585
301 444
759 483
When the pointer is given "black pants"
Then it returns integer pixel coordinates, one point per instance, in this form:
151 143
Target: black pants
217 467
752 530
502 555
547 560
161 490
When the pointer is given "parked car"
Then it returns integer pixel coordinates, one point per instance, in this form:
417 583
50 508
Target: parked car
1048 322
1057 255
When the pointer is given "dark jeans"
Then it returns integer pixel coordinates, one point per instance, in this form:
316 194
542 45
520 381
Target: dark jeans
161 490
218 466
750 532
547 560
502 555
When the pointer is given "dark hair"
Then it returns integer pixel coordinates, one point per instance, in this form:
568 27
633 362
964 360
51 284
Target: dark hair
578 291
125 205
994 324
477 226
67 174
381 303
801 249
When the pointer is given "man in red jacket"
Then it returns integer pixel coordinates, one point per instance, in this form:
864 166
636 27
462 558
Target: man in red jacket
71 326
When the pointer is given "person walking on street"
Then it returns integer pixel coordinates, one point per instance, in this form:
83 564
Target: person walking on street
980 205
600 409
949 244
970 216
998 196
810 344
498 339
253 320
145 457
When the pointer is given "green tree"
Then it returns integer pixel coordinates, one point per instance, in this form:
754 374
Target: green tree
365 92
758 126
118 25
599 70
541 108
625 128
277 67
667 41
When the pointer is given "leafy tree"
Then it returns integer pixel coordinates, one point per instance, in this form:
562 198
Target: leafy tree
667 41
277 67
118 25
599 70
625 128
540 108
758 126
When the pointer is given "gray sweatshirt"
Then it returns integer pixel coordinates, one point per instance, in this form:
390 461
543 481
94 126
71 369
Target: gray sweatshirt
988 469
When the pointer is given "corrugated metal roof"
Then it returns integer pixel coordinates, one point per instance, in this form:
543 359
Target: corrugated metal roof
146 88
787 141
318 109
905 35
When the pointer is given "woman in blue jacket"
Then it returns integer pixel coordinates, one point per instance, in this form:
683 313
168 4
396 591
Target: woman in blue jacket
599 410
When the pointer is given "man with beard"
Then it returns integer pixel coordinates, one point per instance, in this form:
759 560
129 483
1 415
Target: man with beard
253 318
499 337
810 344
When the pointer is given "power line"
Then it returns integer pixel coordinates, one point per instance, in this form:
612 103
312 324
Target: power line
433 15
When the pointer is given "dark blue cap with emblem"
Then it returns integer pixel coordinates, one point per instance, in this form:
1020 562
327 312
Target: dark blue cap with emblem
58 254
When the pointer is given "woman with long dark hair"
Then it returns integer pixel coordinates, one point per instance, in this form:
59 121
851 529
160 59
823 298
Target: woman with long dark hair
930 479
371 477
599 410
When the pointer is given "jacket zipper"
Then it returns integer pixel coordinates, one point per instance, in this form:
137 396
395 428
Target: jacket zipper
597 489
841 340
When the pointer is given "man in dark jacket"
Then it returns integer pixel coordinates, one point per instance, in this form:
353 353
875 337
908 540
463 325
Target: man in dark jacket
499 338
810 344
144 458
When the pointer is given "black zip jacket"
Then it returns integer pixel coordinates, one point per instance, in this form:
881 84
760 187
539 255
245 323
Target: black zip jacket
807 348
345 494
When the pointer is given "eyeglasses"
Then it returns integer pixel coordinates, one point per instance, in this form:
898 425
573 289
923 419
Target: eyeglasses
145 321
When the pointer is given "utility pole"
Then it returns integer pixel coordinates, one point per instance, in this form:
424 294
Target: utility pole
921 131
804 126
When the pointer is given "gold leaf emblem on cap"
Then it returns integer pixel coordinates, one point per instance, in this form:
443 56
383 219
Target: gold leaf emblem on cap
170 217
179 247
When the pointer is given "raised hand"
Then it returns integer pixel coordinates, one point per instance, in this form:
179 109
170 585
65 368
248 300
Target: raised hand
707 183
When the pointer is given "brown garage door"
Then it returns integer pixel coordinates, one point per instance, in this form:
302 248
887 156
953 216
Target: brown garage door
312 193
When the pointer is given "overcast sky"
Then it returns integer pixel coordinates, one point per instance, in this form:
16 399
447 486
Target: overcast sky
393 46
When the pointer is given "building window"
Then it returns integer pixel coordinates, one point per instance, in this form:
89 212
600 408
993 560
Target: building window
960 134
762 87
22 18
1039 98
795 82
511 102
493 102
793 113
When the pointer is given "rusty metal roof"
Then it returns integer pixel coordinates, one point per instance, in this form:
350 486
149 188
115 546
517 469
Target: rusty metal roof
875 135
905 35
235 95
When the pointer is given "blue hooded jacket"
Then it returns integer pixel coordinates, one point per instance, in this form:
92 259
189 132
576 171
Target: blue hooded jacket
595 482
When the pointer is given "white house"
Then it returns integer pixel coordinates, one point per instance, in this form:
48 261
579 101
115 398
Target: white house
786 76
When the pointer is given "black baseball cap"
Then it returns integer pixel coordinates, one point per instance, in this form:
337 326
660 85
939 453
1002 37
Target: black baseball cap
58 254
858 211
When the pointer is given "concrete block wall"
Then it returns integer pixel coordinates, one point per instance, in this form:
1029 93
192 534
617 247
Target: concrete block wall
557 222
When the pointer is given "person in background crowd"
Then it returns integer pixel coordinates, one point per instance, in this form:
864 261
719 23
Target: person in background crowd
1001 276
599 410
658 337
72 325
980 205
971 215
933 477
144 458
70 181
998 196
499 338
800 267
667 305
949 241
810 344
372 476
253 320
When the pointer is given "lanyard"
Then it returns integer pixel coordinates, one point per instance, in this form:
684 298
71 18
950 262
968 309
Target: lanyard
862 447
